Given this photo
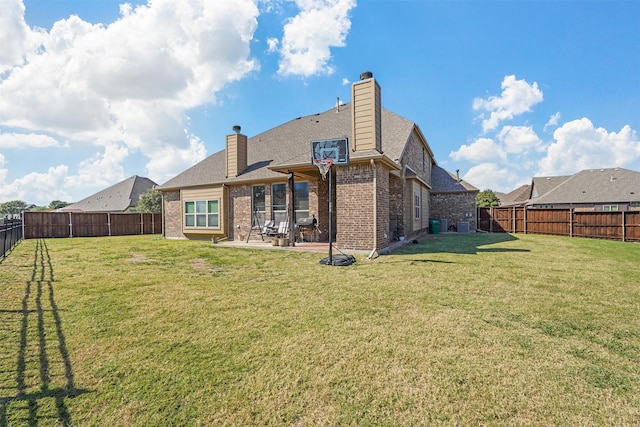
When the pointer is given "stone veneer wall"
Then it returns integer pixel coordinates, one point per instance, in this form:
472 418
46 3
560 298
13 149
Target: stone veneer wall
172 217
454 207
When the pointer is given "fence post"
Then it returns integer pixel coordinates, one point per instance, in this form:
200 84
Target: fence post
70 225
623 226
109 223
524 209
490 219
570 222
141 223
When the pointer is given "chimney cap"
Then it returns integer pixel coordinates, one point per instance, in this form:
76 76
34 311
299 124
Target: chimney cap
366 75
236 128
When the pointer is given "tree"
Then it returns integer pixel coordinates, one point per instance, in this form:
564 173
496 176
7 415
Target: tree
57 204
150 202
12 208
487 198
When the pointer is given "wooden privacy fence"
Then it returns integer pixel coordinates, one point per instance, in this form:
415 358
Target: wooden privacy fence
623 226
84 224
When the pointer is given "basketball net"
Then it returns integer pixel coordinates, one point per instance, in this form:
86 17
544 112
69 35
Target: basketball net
323 165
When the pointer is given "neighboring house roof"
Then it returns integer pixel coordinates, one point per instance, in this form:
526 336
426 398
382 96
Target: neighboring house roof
517 196
541 185
117 198
290 145
443 181
592 186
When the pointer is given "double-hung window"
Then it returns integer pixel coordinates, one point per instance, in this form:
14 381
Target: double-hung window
202 213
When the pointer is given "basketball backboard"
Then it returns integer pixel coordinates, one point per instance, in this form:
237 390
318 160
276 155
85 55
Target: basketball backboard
335 149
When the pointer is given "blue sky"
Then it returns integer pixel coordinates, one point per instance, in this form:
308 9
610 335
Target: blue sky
92 92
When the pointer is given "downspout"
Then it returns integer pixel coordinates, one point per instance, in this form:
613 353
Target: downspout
164 234
374 252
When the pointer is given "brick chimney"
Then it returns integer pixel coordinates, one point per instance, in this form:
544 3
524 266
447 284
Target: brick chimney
236 153
366 114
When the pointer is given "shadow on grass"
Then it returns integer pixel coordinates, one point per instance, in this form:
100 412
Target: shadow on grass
472 243
39 312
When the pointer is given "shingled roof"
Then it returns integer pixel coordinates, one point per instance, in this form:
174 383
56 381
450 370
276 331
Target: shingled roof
515 197
443 181
117 198
611 185
290 145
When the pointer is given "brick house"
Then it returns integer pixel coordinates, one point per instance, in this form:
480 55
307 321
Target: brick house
386 191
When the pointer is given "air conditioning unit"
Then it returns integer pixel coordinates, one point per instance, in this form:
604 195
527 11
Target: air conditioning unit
463 226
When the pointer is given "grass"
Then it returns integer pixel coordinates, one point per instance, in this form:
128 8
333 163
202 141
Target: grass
480 329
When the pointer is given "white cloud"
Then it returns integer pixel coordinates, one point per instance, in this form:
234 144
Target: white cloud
553 121
44 186
22 140
16 38
272 44
168 161
520 139
489 176
517 97
173 54
308 37
102 169
480 151
580 145
124 87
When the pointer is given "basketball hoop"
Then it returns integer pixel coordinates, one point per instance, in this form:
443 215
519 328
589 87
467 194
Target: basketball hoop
324 165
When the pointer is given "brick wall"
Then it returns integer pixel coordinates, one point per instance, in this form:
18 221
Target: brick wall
354 206
416 157
355 210
396 213
454 207
383 200
172 218
239 211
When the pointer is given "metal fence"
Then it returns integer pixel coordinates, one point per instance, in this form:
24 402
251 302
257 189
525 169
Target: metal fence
624 226
11 233
39 225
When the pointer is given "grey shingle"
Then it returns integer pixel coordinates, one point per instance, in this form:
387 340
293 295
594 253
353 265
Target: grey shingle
593 186
290 144
117 198
443 181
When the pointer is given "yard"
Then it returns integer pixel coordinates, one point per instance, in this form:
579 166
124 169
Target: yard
480 329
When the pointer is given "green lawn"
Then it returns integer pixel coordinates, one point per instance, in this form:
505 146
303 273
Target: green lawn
480 329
